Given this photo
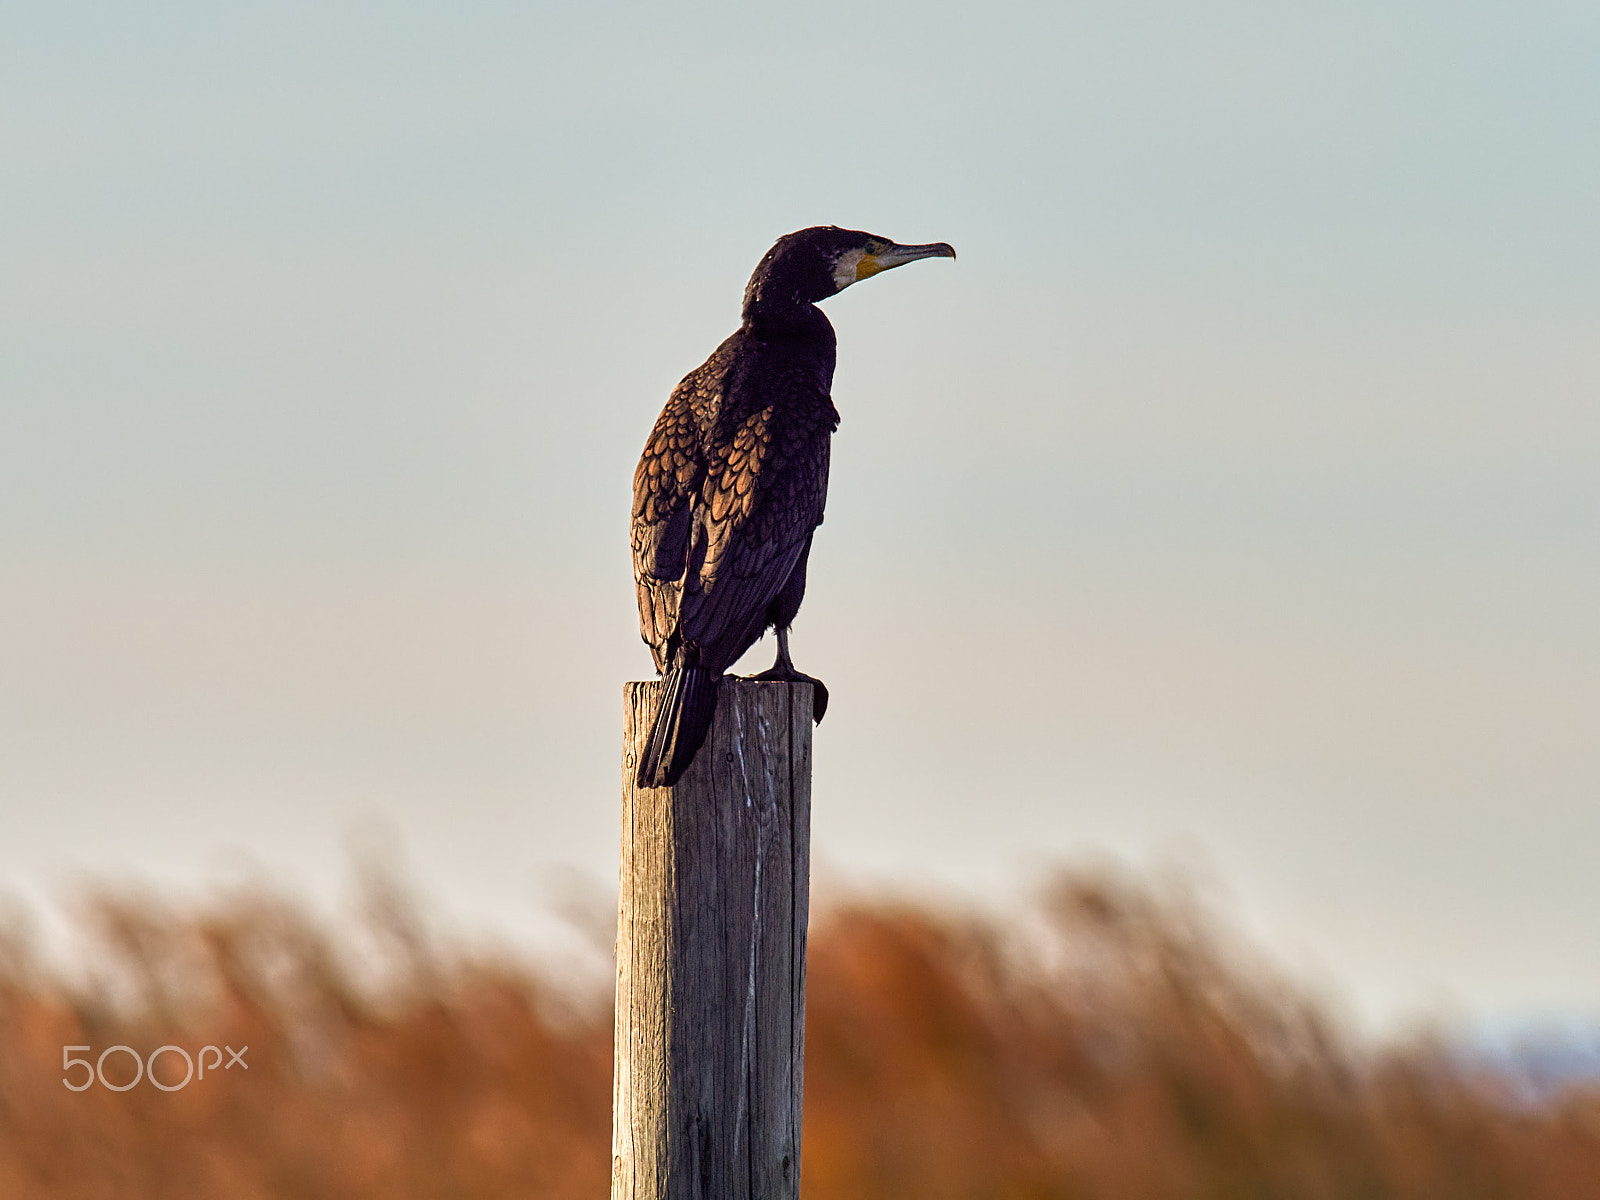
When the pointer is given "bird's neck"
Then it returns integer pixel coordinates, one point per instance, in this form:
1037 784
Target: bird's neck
791 322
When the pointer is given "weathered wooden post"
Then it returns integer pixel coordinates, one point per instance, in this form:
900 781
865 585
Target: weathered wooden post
711 954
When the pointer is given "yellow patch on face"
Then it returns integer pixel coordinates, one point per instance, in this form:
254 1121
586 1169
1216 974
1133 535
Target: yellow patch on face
867 267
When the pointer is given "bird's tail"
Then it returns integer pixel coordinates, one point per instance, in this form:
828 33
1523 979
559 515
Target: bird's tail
688 702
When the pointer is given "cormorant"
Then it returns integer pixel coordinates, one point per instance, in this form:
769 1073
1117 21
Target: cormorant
732 483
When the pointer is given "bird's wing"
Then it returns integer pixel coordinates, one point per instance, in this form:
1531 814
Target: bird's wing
759 502
723 502
665 485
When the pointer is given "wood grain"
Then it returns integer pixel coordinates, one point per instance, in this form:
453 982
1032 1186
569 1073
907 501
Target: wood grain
711 943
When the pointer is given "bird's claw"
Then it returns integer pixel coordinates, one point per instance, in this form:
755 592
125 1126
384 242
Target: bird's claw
819 690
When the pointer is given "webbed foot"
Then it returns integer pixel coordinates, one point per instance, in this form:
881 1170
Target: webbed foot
782 673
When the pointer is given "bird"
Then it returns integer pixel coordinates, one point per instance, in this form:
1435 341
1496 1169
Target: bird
732 484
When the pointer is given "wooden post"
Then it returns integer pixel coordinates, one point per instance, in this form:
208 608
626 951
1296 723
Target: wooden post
711 954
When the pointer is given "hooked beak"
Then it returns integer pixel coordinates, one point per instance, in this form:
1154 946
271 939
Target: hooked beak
897 255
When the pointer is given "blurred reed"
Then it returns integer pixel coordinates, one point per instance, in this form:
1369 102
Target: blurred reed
1113 1043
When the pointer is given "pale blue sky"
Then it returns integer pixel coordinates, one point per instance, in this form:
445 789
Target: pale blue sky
1250 499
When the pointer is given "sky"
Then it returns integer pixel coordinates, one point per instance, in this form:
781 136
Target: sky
1232 501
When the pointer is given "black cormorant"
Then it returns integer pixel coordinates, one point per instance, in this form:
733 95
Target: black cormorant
732 483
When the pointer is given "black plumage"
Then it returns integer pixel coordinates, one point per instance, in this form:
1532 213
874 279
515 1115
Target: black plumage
732 484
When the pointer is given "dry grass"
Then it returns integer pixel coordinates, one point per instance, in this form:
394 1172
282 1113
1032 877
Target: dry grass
1114 1049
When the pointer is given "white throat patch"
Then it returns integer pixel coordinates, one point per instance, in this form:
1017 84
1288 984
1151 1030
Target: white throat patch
844 271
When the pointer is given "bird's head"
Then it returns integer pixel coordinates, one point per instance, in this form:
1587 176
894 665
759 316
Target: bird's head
812 264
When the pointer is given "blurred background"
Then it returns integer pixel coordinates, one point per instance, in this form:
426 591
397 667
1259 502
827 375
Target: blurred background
1232 502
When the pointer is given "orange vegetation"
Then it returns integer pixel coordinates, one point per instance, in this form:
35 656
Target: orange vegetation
1110 1046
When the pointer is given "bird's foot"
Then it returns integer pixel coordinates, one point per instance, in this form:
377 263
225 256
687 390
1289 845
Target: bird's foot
782 674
